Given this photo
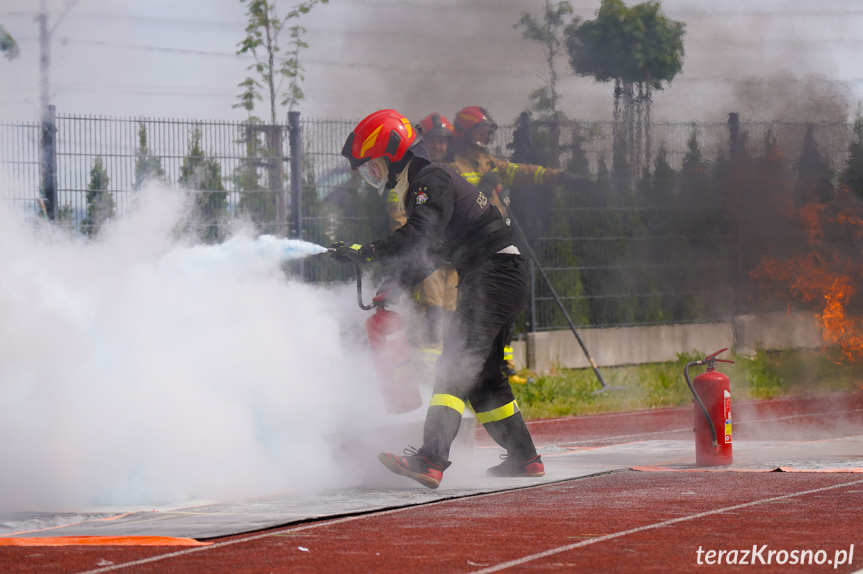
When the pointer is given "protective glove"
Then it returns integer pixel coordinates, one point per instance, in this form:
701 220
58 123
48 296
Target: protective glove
352 253
389 293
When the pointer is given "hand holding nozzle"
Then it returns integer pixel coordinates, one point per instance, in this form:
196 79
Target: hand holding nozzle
351 253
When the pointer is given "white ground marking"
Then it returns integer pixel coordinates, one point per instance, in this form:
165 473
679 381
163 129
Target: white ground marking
663 524
283 531
497 568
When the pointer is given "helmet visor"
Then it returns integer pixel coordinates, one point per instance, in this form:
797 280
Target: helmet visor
375 173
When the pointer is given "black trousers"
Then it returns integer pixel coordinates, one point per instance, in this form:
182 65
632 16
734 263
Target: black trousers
468 369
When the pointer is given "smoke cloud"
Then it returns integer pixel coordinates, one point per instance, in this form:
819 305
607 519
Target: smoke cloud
141 370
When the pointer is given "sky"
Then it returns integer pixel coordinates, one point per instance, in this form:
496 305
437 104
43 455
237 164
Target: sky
774 59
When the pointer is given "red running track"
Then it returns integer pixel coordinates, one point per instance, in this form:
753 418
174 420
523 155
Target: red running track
625 521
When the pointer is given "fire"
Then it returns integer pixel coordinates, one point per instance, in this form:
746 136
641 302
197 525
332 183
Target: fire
811 215
812 279
838 327
828 277
849 219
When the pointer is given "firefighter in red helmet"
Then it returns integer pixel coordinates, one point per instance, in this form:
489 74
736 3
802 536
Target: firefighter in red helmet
436 295
448 220
437 135
474 130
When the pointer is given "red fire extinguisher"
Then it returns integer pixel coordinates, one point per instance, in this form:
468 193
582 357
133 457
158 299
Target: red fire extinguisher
712 398
392 355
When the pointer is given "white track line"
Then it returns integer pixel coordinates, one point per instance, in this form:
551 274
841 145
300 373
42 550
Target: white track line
237 541
663 524
493 568
499 567
323 521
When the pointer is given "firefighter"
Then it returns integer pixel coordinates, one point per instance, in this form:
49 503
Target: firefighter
473 130
436 295
449 220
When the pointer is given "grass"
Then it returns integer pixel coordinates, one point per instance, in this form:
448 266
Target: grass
764 375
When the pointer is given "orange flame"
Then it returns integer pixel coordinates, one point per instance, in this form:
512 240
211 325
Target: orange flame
827 277
812 279
838 327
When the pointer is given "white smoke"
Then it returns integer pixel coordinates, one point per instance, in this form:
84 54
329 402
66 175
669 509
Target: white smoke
138 369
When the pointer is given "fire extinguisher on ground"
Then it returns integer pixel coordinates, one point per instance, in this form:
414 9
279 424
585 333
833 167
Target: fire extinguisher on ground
711 394
391 353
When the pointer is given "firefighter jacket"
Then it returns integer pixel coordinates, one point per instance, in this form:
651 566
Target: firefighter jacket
448 220
473 161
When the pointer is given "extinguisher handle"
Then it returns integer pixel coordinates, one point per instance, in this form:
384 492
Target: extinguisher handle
363 306
710 359
712 356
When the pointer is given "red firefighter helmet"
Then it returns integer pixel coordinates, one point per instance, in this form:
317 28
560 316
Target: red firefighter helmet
435 125
470 117
385 133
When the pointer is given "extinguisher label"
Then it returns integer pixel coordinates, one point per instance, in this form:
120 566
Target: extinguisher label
727 397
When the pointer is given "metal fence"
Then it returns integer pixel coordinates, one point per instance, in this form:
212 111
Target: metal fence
615 258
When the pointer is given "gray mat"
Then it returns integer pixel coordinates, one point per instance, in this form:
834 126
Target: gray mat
213 520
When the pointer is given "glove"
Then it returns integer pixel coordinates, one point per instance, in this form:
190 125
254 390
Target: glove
354 253
389 293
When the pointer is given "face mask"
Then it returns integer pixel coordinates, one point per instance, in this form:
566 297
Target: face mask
375 173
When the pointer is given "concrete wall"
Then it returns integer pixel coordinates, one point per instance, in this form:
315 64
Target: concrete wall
636 345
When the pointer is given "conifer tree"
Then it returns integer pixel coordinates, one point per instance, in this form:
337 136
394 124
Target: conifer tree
100 201
852 176
147 166
256 203
813 172
203 177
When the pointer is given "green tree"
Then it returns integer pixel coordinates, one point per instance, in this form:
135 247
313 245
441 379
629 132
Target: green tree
547 34
147 166
694 178
100 201
638 48
814 176
664 180
557 247
256 203
8 46
203 176
263 30
578 163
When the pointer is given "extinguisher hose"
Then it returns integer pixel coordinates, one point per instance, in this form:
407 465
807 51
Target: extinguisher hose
698 399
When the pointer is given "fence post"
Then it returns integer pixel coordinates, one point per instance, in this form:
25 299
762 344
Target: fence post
734 150
555 142
530 312
296 151
48 161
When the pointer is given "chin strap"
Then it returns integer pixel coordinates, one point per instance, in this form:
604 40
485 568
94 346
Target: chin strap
401 186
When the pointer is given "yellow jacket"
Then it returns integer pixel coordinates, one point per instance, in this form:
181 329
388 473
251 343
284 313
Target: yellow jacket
473 161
